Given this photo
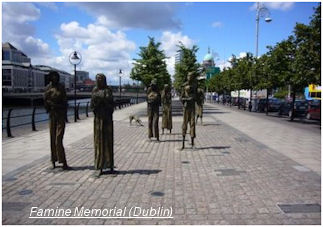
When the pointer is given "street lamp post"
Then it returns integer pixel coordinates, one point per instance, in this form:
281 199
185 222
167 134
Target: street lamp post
75 58
263 12
120 73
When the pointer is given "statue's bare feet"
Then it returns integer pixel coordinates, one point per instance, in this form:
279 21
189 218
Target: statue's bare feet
66 167
98 173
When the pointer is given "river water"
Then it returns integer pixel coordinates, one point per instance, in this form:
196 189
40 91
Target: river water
23 115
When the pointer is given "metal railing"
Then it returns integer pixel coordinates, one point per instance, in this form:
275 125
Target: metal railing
118 103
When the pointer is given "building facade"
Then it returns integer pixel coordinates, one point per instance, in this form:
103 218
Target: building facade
19 75
82 75
209 65
64 77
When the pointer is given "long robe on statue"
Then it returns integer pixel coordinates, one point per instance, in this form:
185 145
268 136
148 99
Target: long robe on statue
200 102
166 97
55 103
103 107
154 101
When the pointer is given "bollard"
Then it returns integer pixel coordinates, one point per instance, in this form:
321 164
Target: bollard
33 126
112 153
77 112
87 109
8 124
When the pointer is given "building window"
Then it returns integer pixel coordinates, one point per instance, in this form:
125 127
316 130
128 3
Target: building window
6 77
6 55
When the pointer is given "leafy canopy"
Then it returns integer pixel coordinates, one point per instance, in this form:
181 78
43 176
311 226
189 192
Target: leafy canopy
151 65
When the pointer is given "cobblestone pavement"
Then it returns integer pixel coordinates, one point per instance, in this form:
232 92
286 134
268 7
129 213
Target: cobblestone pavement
298 141
229 178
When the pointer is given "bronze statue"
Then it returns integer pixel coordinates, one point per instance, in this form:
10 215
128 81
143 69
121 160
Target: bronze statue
103 107
188 98
153 99
55 103
199 104
166 97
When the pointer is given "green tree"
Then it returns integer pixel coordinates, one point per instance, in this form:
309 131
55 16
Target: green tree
304 54
188 63
151 65
308 49
242 73
228 81
271 66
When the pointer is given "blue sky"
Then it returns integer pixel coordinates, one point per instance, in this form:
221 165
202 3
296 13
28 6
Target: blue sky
109 34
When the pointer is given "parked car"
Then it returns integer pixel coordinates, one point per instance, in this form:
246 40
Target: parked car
234 101
273 105
314 110
243 102
300 108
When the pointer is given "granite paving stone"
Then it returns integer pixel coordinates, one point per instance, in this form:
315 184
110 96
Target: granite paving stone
228 178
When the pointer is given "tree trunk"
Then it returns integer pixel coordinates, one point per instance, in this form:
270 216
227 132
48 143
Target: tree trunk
239 99
250 101
267 102
230 99
293 103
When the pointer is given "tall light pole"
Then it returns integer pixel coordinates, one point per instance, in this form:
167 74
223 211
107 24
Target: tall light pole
75 58
120 73
262 11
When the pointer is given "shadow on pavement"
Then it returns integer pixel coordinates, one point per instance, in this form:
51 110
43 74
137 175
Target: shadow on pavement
214 112
211 124
134 171
77 168
179 140
214 147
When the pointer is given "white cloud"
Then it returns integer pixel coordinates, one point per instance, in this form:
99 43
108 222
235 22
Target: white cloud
275 5
49 5
169 42
102 50
217 24
242 54
123 15
223 64
19 32
226 63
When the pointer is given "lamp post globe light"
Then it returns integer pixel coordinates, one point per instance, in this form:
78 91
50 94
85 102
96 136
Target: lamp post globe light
262 12
75 59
